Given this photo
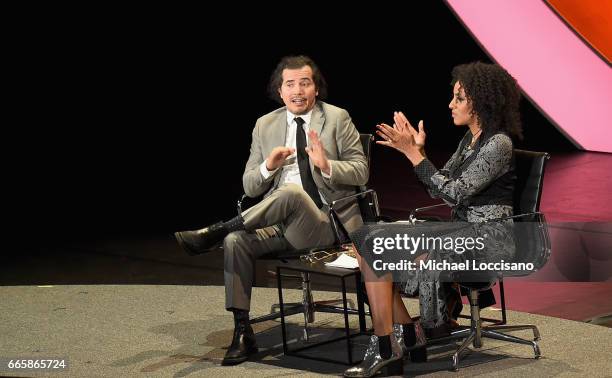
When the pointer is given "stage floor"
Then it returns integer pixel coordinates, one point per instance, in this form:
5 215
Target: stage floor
180 330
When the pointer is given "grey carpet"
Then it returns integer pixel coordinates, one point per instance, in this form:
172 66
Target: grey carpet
178 331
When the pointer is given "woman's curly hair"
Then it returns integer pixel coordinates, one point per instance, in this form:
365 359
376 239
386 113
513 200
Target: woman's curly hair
494 96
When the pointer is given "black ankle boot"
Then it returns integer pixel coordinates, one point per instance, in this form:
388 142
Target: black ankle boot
209 238
243 342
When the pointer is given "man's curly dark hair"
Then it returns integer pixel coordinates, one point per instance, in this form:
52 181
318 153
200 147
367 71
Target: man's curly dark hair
295 62
494 96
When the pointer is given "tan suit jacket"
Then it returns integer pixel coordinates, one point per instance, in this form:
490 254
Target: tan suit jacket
341 142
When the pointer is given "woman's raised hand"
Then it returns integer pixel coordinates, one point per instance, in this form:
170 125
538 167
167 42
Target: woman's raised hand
402 123
400 139
403 137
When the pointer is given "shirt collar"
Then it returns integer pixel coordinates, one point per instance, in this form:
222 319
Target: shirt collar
306 117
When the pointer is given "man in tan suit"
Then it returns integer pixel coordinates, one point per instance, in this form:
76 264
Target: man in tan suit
303 156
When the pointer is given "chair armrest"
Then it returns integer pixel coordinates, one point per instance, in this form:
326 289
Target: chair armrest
412 217
249 201
425 208
518 216
331 206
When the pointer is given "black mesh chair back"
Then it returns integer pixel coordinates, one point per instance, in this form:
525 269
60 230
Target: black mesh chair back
367 204
531 233
529 166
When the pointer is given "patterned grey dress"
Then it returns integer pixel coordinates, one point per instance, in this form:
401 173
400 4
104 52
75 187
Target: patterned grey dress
477 183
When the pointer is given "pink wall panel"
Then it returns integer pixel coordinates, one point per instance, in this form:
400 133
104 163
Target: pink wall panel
554 67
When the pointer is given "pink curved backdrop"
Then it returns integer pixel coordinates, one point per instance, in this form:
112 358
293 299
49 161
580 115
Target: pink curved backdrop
569 82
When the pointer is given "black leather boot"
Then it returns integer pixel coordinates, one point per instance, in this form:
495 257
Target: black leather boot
209 238
201 241
243 343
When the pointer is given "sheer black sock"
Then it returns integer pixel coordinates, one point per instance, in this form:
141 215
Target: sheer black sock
241 316
409 334
384 346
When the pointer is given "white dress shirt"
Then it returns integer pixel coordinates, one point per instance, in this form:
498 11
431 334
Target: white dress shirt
290 173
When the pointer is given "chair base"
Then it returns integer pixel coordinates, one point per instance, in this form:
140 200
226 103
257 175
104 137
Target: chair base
476 332
475 337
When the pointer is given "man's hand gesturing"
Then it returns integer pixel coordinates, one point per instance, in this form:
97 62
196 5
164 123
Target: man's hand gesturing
316 152
277 157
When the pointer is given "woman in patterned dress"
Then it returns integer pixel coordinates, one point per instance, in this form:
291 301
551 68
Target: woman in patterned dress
477 182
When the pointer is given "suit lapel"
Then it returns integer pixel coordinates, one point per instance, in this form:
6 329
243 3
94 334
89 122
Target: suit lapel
318 119
316 123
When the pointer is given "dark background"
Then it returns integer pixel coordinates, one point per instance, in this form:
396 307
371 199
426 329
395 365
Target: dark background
139 122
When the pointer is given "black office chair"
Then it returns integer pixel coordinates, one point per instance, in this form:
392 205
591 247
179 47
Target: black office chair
370 212
532 246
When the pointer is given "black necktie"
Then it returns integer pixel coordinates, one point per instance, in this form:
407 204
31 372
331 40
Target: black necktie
304 163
